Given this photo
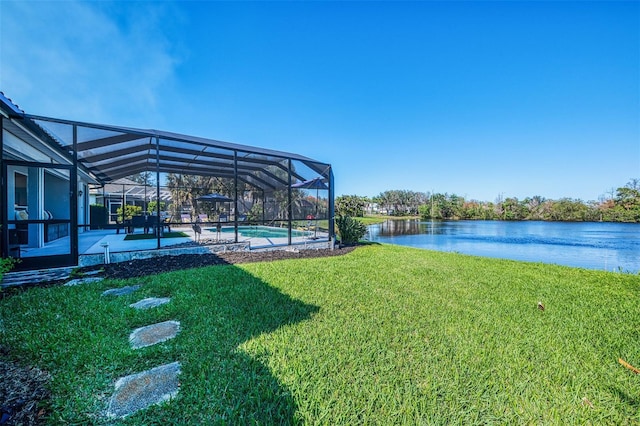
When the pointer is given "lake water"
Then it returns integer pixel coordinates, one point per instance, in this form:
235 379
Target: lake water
603 246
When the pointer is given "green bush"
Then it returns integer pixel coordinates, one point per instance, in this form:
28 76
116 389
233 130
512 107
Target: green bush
350 230
129 212
152 207
7 264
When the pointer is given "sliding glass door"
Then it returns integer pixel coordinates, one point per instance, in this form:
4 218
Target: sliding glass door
41 229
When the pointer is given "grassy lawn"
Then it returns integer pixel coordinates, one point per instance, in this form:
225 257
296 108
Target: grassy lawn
373 219
383 335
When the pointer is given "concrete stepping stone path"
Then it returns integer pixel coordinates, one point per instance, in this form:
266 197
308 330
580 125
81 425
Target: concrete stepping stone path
11 279
150 302
121 291
138 391
83 281
154 333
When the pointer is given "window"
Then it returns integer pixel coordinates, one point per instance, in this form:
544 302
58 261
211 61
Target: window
20 189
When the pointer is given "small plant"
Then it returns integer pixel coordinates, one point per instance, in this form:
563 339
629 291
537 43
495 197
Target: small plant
350 230
7 264
76 273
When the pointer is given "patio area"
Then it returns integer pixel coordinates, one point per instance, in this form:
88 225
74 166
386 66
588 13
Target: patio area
92 243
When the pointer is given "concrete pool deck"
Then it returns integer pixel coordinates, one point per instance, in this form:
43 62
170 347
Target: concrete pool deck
93 242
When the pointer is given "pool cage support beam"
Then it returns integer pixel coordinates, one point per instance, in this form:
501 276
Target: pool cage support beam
235 195
73 177
3 196
289 204
160 226
264 206
332 213
124 200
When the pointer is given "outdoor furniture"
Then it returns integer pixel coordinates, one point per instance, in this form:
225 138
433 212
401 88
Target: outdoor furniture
138 221
223 218
157 224
203 218
15 239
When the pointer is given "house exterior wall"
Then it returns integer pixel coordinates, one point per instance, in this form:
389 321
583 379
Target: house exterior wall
48 195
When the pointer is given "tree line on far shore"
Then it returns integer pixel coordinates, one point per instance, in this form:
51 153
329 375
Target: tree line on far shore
623 205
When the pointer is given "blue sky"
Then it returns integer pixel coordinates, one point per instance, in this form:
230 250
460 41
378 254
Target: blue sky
480 99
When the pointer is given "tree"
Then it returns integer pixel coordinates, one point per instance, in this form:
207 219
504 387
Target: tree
143 178
620 205
351 205
535 207
512 209
567 209
401 202
627 202
185 189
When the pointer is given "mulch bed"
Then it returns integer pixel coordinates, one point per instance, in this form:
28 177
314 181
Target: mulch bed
156 265
24 389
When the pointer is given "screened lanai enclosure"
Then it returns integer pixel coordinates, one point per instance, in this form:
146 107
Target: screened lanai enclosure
71 188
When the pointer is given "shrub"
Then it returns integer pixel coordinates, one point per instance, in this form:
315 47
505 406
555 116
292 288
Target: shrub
152 207
350 230
129 212
7 264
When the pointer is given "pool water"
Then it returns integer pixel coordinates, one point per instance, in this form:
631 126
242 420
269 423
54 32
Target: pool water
262 232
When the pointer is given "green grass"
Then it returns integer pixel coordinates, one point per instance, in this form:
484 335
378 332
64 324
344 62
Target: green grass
374 219
383 335
131 237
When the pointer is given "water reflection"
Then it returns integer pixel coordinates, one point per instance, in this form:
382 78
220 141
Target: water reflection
609 246
397 227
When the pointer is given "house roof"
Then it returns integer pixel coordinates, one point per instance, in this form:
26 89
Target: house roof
132 190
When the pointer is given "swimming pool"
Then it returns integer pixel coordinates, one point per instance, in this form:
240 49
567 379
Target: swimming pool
262 232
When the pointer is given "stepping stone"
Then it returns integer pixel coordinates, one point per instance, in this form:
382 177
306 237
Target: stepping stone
150 302
83 281
11 279
152 334
121 291
139 391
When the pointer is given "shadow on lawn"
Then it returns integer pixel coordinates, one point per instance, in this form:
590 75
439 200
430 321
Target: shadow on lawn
624 396
223 308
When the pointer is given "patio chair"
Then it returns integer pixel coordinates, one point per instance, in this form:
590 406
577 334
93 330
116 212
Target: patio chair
203 218
139 221
223 218
185 218
158 224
